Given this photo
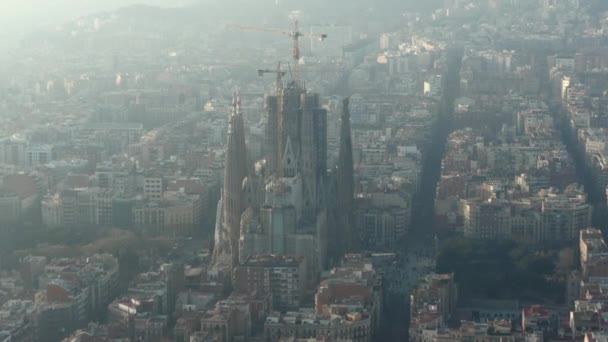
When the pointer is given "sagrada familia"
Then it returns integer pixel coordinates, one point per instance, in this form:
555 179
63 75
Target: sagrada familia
290 202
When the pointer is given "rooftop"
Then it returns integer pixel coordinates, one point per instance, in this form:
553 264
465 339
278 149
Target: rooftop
272 260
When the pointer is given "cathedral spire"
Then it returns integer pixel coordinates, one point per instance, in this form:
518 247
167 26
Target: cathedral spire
345 183
220 240
235 172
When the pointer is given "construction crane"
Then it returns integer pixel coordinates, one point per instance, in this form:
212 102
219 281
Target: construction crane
294 34
280 73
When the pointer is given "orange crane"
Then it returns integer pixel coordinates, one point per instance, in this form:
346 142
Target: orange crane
294 34
280 73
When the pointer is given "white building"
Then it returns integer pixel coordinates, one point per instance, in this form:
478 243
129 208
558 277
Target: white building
153 187
388 40
10 207
432 86
39 154
12 150
401 63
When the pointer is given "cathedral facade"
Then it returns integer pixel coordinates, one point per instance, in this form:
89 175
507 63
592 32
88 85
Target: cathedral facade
290 202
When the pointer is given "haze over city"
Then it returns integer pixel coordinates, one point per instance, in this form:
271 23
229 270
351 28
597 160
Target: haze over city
292 170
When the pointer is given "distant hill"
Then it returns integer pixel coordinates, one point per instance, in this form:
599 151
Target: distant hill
346 5
18 17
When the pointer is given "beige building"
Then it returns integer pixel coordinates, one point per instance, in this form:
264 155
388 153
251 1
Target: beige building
564 216
347 307
383 218
493 331
79 207
176 214
12 150
94 207
51 211
486 220
550 216
283 277
153 188
432 304
593 253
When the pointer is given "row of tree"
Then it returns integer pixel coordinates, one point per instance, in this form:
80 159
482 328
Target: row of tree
506 269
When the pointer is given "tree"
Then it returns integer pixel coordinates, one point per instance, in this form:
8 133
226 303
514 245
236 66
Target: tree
500 269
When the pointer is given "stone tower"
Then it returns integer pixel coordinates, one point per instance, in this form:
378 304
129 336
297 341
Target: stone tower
345 185
289 120
271 147
233 196
309 153
296 141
